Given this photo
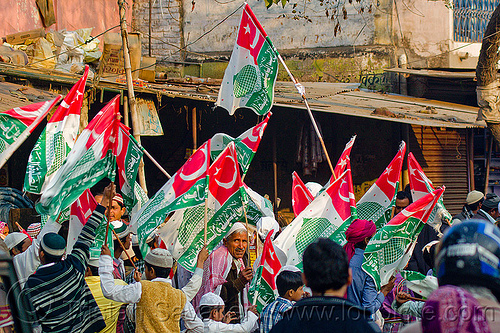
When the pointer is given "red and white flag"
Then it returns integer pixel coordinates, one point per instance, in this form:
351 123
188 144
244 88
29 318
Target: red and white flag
376 204
18 123
301 196
262 289
420 185
250 76
81 210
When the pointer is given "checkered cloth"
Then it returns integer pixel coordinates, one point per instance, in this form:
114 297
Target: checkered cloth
273 313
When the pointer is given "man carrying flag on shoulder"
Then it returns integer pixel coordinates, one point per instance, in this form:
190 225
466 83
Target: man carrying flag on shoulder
61 299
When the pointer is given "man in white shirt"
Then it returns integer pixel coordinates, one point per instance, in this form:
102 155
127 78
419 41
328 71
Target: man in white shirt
159 305
27 261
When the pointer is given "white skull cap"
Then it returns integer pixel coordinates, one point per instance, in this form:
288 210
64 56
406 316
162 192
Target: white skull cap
211 299
265 225
237 226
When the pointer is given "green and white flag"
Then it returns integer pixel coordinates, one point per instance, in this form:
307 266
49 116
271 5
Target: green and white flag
391 247
421 284
246 144
18 123
251 74
56 141
128 156
262 290
377 203
184 233
185 189
420 185
91 159
328 215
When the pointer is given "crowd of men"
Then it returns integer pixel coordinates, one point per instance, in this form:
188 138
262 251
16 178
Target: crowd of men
70 292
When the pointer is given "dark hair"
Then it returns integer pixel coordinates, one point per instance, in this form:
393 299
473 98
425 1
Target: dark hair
18 246
160 272
116 243
137 252
401 195
287 280
325 265
94 270
475 205
63 231
360 245
50 258
205 310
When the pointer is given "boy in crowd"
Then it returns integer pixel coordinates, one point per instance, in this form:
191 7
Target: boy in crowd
327 273
290 290
214 320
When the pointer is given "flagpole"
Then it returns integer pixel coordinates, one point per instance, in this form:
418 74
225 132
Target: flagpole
108 211
156 163
248 237
123 247
302 92
130 88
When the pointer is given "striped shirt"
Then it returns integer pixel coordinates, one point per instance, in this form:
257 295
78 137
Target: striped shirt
60 297
273 313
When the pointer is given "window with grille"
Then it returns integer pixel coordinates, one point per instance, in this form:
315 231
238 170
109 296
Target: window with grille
470 18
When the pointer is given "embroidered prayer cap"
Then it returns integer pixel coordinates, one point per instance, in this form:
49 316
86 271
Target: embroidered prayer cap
14 238
211 299
118 198
473 197
265 225
159 258
237 227
121 229
53 244
34 229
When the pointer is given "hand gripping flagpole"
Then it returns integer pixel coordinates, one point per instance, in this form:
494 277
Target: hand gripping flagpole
302 92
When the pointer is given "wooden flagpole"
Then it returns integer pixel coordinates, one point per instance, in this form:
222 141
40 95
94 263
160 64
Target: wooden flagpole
108 211
156 163
123 247
248 237
302 92
130 89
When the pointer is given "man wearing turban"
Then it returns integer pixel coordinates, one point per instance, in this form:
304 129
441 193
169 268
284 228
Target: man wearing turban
362 291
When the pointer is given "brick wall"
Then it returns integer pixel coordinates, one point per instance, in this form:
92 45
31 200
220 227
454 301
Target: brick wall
165 27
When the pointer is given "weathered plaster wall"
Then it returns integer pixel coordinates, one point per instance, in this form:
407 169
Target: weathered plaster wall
22 15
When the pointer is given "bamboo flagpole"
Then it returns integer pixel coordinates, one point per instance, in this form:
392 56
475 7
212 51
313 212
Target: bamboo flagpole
156 163
124 250
246 226
302 91
130 88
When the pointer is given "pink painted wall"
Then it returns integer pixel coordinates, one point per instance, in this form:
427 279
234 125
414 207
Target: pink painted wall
22 15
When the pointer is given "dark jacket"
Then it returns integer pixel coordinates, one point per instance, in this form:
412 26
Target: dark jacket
325 314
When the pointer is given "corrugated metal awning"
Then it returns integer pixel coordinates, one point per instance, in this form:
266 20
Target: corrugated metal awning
347 99
14 95
339 98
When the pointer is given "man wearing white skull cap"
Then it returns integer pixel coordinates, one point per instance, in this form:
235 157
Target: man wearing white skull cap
225 272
